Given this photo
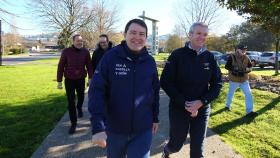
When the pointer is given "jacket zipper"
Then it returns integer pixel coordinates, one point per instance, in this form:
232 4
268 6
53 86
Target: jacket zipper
133 95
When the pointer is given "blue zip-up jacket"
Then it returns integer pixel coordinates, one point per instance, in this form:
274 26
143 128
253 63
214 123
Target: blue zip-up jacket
189 76
125 91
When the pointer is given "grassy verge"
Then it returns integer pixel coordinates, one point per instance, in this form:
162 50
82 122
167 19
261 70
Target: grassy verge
30 106
252 138
256 71
161 56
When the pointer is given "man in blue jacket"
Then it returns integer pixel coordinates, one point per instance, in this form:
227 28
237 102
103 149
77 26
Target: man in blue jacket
192 79
126 93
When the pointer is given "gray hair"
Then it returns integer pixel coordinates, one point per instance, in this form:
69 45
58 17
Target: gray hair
194 25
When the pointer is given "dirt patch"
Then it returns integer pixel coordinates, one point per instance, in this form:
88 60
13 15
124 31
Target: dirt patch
266 83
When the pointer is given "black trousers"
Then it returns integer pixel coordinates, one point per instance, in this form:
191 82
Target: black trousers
181 123
71 86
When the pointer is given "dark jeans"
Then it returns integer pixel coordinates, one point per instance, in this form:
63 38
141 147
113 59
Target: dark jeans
181 123
129 146
71 86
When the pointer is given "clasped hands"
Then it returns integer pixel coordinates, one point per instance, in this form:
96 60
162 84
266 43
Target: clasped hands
193 106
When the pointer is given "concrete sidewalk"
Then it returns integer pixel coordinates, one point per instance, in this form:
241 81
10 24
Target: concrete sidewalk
58 144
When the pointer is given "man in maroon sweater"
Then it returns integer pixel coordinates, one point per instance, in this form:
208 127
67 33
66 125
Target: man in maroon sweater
74 64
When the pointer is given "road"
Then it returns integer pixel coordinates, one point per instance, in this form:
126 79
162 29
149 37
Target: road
15 60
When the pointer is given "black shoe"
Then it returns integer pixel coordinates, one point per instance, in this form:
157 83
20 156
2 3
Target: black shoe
72 129
164 155
227 108
252 114
80 113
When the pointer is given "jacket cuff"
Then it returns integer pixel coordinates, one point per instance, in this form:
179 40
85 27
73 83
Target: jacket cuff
204 101
155 120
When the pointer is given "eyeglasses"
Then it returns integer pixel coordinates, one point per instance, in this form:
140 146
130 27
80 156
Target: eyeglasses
102 42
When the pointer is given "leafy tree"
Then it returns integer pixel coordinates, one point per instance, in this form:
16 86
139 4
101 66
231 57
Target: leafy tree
263 12
252 35
221 44
173 42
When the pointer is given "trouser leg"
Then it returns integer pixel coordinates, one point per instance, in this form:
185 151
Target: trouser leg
70 92
80 88
179 126
140 144
198 128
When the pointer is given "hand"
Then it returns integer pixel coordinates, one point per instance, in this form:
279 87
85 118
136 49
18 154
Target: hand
99 139
155 128
193 106
248 69
59 85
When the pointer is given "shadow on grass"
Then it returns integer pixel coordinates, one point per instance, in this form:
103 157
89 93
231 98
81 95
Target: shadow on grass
24 125
224 127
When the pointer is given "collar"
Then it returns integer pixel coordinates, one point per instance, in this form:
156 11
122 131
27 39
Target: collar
201 50
129 55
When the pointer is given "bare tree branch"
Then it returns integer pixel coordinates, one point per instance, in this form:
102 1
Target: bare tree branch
191 11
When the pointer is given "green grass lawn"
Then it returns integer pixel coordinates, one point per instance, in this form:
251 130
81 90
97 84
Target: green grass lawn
257 71
253 138
30 106
161 56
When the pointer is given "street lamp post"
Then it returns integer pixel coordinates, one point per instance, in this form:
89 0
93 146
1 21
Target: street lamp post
1 43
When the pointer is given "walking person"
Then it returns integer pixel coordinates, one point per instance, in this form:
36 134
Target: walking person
103 46
74 65
126 93
239 65
192 80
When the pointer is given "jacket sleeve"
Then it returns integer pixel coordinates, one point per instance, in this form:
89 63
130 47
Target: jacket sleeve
89 66
156 87
228 65
93 60
61 66
97 97
168 79
249 63
215 84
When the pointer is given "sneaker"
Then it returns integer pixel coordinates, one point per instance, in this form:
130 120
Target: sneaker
80 113
252 114
227 108
72 129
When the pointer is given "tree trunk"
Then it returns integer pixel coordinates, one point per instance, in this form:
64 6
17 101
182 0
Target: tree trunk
276 56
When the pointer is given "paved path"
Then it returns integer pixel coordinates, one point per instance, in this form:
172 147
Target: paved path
59 144
23 59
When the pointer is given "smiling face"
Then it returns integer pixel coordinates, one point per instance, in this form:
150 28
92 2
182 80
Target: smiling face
135 37
78 42
198 37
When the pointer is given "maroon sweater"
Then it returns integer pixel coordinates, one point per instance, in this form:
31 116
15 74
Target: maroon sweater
72 64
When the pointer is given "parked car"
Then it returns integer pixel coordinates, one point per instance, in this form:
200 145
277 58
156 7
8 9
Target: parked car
254 56
268 59
217 55
223 59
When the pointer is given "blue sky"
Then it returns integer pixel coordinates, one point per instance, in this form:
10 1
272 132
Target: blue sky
162 10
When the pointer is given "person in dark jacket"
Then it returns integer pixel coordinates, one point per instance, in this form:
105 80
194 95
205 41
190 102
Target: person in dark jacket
192 80
103 46
74 64
126 93
239 65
